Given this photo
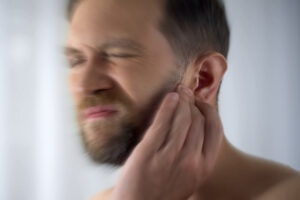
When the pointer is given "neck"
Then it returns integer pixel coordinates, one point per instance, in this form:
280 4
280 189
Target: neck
219 183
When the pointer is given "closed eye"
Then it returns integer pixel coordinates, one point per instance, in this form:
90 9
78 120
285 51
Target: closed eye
121 55
76 61
73 62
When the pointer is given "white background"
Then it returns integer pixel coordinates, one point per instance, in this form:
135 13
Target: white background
40 152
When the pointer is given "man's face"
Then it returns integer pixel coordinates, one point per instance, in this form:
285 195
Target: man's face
121 68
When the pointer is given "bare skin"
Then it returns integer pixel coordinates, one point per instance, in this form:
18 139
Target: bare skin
235 176
255 179
286 187
203 164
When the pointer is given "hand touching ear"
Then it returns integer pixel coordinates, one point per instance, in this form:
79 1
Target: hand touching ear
177 153
205 74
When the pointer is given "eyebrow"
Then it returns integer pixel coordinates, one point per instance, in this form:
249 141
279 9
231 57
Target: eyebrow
70 51
113 43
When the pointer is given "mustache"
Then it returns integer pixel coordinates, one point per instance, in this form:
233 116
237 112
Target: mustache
102 98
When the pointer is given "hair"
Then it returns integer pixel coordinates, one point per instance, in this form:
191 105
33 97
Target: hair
192 27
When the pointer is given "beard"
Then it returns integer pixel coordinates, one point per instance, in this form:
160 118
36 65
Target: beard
111 140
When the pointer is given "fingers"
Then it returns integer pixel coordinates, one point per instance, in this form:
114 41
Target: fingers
213 131
183 125
182 121
159 129
194 141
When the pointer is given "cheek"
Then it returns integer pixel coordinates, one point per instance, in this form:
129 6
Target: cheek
72 81
142 82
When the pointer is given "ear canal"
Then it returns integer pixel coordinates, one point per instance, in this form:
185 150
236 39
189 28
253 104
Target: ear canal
205 79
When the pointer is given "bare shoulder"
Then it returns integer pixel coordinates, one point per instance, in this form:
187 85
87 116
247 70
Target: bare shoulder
104 195
288 189
277 181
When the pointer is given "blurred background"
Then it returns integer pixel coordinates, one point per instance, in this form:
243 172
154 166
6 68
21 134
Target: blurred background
41 157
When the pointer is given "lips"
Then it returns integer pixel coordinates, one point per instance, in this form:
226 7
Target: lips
100 111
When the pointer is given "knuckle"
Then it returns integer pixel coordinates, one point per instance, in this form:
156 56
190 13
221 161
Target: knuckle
190 163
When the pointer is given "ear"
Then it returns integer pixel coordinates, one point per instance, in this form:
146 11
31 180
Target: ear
206 75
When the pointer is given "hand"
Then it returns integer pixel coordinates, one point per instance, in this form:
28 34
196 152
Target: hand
177 153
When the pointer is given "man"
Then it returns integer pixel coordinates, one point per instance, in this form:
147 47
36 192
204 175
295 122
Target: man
145 76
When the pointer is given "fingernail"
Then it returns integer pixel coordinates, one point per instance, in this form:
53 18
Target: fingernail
186 90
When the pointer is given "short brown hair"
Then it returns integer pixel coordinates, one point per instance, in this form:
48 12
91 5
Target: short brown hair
195 26
192 27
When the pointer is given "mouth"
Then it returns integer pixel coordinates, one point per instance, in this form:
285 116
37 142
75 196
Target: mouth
103 111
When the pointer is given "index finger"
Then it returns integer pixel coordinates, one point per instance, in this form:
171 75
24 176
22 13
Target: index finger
158 130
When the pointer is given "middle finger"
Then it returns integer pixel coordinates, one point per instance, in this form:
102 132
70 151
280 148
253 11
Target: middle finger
182 121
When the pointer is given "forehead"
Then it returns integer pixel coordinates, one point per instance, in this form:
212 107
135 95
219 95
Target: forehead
94 19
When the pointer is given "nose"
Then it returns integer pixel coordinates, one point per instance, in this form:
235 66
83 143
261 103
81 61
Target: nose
91 80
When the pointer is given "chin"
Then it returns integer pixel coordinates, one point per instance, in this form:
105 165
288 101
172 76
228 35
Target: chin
109 142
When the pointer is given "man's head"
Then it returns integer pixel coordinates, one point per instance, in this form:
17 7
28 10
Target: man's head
125 55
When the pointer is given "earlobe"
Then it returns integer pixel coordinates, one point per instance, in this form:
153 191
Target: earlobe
209 71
